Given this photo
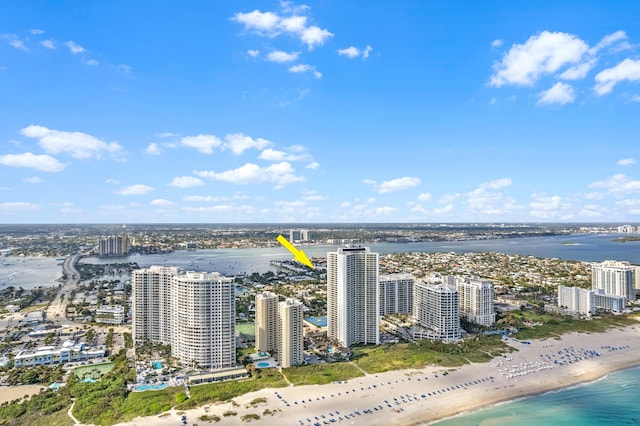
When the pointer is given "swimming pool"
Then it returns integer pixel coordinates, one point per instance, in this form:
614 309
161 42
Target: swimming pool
157 365
263 364
141 388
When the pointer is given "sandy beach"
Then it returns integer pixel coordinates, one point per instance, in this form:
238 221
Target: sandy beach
412 397
8 394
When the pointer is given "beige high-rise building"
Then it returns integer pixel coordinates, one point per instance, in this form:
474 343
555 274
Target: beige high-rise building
290 336
203 320
267 322
353 296
151 304
194 312
476 300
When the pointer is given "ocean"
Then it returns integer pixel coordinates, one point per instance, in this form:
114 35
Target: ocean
612 400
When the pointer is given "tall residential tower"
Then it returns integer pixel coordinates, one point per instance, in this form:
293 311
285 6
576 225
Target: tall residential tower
353 300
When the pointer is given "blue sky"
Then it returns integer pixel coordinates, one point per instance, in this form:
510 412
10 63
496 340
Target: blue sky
268 111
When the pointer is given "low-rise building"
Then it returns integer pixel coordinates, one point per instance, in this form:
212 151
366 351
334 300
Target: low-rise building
48 355
110 315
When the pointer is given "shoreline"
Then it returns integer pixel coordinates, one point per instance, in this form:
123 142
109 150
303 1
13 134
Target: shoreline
425 396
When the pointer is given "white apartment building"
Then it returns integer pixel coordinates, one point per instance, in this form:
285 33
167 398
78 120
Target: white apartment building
617 278
396 294
299 235
587 302
576 299
151 304
476 300
110 315
266 322
291 334
436 309
48 355
353 300
194 312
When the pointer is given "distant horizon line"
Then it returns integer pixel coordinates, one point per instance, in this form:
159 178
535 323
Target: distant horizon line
440 223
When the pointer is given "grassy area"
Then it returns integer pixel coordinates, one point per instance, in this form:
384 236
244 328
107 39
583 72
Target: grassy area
378 359
321 374
59 418
214 392
100 369
560 325
40 307
247 329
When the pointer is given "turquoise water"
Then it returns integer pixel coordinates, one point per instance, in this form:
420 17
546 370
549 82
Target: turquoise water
612 400
151 387
157 365
318 321
263 364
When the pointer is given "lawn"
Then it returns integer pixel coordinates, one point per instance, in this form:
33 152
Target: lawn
321 374
557 326
95 370
378 359
248 330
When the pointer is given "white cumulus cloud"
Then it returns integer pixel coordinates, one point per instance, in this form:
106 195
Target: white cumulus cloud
160 202
279 173
543 53
393 185
626 162
354 52
425 197
186 182
15 207
560 93
280 56
301 68
203 143
627 70
618 184
153 149
74 47
76 144
45 163
138 189
239 143
49 44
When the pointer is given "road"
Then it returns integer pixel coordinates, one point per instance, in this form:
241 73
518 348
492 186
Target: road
57 308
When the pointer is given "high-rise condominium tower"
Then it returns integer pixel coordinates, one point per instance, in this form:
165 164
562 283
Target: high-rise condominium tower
151 304
476 300
291 336
266 322
353 302
435 307
396 294
617 278
194 312
203 320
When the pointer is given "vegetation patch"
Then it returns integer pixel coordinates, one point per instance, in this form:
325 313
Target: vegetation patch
209 418
249 417
320 374
224 391
378 359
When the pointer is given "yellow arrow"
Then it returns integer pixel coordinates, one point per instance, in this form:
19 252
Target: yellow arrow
297 254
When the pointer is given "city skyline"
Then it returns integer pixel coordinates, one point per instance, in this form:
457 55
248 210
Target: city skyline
319 112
